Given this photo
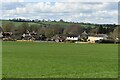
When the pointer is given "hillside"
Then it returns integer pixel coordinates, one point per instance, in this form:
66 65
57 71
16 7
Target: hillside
64 24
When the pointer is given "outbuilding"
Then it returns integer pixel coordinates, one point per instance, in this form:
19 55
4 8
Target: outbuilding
73 37
98 37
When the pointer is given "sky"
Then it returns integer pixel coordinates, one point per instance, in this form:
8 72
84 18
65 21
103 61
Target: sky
75 11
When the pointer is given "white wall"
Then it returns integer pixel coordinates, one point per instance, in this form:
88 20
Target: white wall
93 39
72 38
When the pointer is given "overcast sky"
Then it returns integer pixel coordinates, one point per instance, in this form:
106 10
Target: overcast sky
93 12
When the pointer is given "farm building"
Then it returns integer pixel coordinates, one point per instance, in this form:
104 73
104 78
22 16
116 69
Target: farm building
84 35
98 37
7 36
29 36
72 37
59 38
26 36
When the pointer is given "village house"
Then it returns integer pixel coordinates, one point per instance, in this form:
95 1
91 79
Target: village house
73 37
41 37
27 36
84 36
7 36
58 38
34 35
98 37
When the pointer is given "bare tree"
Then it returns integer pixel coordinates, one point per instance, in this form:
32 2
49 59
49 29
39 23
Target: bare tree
8 27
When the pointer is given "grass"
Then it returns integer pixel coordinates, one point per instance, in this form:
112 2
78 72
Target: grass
17 24
59 60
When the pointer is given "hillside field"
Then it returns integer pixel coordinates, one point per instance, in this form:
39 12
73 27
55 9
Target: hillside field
63 24
59 60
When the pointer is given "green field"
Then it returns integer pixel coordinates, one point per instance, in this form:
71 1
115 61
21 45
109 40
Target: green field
59 60
17 24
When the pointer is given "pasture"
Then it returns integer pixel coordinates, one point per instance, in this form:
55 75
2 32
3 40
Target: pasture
59 60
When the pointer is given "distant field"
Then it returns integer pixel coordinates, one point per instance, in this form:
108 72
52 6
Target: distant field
59 60
17 24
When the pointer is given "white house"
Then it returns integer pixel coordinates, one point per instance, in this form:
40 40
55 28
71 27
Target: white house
72 38
98 37
27 34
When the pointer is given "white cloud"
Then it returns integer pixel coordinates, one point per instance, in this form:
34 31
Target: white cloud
88 0
59 7
90 12
11 0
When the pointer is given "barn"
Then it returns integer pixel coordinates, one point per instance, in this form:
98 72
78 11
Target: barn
72 37
93 39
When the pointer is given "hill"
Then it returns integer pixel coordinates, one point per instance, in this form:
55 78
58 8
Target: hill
64 24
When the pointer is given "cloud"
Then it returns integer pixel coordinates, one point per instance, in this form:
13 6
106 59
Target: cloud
11 0
88 0
95 12
61 7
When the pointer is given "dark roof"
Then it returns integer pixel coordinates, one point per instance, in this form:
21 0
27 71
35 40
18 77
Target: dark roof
84 33
72 35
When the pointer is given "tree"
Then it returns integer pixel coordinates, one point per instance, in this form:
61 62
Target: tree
58 29
21 29
24 27
51 30
41 31
34 27
115 34
61 20
8 27
109 29
102 30
73 29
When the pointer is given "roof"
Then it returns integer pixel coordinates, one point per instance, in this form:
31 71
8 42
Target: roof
8 33
72 35
84 33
